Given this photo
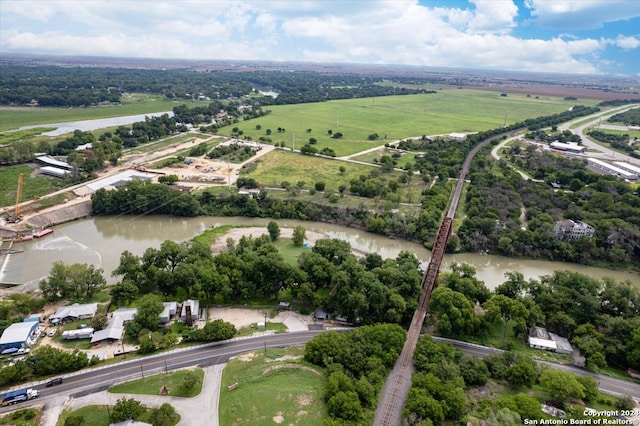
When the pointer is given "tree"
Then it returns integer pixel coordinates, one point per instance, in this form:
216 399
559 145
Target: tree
561 385
148 316
507 309
319 186
345 405
163 415
274 230
455 312
189 382
125 409
523 373
299 234
123 293
342 169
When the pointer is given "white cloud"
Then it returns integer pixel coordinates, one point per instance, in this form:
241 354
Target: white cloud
627 42
493 16
377 31
581 14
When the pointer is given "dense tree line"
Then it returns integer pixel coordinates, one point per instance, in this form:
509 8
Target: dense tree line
357 363
43 362
599 317
619 142
85 86
493 210
363 292
628 118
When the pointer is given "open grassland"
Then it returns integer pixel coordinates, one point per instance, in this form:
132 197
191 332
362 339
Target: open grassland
136 103
273 387
397 117
36 186
279 166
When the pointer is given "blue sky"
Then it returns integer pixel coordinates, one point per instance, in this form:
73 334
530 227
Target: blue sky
563 36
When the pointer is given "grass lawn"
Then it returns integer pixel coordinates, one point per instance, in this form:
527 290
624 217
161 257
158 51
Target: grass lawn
98 415
397 117
275 327
23 417
288 250
151 385
34 187
136 103
272 388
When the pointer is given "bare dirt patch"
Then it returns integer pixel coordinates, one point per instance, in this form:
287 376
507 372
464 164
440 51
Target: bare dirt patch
278 418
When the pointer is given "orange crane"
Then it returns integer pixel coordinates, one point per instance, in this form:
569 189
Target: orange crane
15 217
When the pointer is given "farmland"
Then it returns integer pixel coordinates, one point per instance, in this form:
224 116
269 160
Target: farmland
395 117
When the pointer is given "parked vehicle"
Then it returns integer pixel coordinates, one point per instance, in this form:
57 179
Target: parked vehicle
52 332
14 397
54 382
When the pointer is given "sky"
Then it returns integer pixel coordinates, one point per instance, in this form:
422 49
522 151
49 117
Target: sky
559 36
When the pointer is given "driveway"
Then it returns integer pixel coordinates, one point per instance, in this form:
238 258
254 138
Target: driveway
201 410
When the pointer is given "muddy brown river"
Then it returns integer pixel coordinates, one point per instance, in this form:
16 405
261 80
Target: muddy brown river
101 240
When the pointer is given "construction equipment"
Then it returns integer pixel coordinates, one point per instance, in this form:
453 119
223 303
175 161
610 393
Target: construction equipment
16 217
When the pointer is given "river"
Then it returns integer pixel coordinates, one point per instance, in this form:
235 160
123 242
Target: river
89 125
101 240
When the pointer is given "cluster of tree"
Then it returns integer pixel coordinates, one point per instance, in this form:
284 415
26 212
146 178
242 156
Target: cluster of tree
561 117
231 110
493 203
443 374
357 362
233 152
628 118
308 149
44 361
564 136
619 142
363 292
151 129
15 307
84 86
141 197
213 331
129 409
617 102
77 281
601 318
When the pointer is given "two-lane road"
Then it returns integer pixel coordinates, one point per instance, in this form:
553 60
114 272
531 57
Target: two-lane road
93 380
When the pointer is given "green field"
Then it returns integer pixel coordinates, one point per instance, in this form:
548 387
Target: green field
397 117
137 103
151 385
98 415
272 389
33 186
278 166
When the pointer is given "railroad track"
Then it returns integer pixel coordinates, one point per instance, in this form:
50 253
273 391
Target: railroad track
394 395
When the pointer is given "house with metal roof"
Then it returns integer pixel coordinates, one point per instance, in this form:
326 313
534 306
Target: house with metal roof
19 335
74 312
115 326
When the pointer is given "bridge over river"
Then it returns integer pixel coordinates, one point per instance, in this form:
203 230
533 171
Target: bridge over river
394 394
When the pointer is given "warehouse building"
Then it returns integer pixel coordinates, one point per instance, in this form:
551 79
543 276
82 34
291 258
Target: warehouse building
19 335
568 147
628 167
610 169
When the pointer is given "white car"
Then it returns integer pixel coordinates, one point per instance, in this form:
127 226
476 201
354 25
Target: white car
52 332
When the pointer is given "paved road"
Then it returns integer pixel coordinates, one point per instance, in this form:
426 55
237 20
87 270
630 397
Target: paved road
607 384
606 153
86 386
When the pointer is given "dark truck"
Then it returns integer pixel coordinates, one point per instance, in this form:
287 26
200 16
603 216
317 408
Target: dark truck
16 396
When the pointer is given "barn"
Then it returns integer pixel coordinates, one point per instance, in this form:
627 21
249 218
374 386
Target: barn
19 335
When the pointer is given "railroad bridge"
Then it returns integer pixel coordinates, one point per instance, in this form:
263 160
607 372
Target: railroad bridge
394 393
